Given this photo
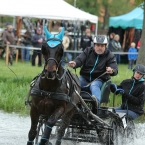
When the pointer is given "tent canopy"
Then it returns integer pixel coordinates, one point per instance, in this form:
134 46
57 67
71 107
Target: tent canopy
49 9
131 19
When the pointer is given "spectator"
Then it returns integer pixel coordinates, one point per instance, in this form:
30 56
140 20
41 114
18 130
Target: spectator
110 41
9 39
116 47
132 91
66 43
70 47
27 42
132 57
86 41
3 47
37 41
7 25
39 24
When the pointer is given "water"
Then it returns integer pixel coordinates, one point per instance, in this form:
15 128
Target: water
14 130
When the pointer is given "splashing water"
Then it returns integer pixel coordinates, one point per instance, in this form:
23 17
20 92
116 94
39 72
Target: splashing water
14 131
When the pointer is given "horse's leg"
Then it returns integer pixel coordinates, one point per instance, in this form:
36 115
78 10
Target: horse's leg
34 121
50 123
64 124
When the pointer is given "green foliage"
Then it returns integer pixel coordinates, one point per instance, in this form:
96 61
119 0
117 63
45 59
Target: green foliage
12 95
4 20
138 2
112 8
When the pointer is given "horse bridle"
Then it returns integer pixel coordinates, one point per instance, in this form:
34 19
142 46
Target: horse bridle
57 63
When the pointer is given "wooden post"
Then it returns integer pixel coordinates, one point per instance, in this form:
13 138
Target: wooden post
17 51
50 26
19 27
7 54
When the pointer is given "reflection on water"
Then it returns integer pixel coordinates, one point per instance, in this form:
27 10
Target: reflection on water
14 130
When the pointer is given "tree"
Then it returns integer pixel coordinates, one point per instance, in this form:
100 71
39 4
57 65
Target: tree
104 8
141 55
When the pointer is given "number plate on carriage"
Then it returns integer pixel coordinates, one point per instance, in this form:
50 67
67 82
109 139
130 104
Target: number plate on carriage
124 122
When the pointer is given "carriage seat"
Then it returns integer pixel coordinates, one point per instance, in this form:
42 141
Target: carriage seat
105 91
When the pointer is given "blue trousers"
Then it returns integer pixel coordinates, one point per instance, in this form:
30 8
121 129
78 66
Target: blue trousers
26 53
94 88
131 114
117 58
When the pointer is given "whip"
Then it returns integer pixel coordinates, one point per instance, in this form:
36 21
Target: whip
95 79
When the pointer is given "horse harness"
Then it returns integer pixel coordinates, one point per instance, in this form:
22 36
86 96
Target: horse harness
35 90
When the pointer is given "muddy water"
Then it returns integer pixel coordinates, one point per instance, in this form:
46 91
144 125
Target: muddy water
14 130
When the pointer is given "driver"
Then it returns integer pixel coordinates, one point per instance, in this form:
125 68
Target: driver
94 61
132 91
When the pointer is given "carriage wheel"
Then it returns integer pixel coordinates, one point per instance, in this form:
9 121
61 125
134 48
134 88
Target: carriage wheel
104 136
109 136
113 138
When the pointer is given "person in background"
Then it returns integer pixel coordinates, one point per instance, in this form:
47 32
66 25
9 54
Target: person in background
27 42
86 40
3 47
9 39
111 37
132 57
37 41
38 24
116 47
66 42
132 91
94 62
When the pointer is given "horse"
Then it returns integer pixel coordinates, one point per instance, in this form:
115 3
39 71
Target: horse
53 92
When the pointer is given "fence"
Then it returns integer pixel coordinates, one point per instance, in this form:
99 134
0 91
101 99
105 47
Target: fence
34 48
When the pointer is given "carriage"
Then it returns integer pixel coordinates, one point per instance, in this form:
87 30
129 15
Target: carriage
109 128
59 109
105 131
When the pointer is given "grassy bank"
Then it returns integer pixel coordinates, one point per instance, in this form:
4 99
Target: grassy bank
14 85
15 80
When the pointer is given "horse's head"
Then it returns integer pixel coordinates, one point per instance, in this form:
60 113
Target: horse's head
52 51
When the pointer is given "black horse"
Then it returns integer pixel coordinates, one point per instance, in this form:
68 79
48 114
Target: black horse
53 92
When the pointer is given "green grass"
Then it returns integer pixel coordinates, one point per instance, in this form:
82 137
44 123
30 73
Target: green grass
14 85
15 81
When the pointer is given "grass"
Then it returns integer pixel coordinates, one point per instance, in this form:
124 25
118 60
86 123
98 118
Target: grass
15 81
14 85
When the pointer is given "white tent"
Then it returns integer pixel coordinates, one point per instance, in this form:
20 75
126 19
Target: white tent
49 9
